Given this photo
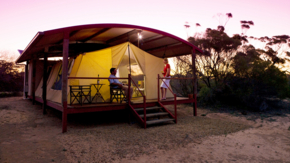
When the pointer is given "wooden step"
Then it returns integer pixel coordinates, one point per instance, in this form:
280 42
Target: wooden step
159 121
154 114
148 108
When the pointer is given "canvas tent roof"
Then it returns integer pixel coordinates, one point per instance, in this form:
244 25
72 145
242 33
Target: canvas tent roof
86 38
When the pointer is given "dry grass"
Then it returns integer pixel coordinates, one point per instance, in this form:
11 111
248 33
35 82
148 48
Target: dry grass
124 141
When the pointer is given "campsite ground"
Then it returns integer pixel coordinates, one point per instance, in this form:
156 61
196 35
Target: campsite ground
29 136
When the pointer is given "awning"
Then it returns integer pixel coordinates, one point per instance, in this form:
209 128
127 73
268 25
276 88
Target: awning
86 38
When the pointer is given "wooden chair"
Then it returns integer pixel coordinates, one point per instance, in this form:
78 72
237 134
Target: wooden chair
117 93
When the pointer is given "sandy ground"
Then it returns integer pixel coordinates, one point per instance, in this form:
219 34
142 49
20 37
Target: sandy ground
28 136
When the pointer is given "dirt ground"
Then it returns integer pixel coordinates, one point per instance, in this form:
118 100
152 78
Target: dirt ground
26 135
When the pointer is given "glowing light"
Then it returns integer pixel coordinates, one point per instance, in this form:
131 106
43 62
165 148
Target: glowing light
139 35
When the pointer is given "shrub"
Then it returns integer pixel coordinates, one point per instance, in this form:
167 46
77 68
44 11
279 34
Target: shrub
206 95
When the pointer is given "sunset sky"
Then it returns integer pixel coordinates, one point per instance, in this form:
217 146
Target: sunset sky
22 19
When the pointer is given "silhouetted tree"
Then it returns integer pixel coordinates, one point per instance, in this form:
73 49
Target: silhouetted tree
11 76
245 26
223 20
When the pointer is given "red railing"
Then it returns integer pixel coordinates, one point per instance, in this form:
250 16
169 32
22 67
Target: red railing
144 99
128 97
175 112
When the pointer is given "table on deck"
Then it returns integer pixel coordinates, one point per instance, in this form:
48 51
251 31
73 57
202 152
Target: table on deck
98 94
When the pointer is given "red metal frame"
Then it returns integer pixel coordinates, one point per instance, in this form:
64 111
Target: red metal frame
194 100
74 109
80 27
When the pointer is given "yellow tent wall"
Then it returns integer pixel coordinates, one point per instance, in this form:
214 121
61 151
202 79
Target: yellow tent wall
151 66
91 65
52 94
99 63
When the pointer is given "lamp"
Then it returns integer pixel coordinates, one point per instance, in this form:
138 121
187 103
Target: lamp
139 36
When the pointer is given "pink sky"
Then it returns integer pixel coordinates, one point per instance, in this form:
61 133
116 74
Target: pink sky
21 19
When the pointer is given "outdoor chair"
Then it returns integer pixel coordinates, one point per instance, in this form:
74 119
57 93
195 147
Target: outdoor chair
117 94
80 93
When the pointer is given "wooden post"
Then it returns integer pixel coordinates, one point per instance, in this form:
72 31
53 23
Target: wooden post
44 85
65 52
158 96
33 78
26 80
129 89
194 82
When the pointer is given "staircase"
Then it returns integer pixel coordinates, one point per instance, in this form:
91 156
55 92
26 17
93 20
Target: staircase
155 115
152 115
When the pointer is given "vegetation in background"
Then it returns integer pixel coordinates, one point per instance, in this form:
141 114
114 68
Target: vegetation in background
233 71
11 76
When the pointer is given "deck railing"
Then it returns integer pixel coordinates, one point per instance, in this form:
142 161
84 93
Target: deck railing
144 99
95 78
128 96
172 93
158 85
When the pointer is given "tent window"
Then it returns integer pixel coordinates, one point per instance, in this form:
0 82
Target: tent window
58 81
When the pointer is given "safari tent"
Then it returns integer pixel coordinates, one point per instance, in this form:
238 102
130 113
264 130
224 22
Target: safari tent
88 52
144 67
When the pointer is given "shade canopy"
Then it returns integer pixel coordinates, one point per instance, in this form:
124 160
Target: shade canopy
87 38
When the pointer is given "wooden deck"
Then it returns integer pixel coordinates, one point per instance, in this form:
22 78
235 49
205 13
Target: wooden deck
97 107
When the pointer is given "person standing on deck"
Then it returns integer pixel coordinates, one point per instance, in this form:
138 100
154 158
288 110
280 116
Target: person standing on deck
115 83
166 74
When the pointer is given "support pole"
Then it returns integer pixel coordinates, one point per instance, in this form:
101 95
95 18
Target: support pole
33 79
158 92
44 85
26 80
129 89
194 82
65 52
129 58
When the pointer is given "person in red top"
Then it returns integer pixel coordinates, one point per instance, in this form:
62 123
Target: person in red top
166 73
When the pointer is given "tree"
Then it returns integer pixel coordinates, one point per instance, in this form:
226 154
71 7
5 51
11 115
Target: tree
11 76
223 20
183 69
276 49
245 25
215 62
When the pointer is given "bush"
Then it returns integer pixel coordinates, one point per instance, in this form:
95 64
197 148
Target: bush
206 95
11 80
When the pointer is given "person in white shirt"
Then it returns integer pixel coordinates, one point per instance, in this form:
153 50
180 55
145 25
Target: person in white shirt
115 83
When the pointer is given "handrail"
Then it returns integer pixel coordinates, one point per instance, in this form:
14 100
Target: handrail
175 111
128 98
166 84
176 78
94 78
144 99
